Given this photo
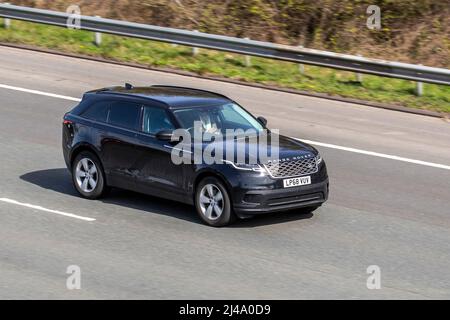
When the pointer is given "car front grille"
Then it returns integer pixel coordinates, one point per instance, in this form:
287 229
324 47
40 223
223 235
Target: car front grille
292 168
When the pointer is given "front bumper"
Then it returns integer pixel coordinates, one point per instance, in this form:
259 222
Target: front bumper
265 201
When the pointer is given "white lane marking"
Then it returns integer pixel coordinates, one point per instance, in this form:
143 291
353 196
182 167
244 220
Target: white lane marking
321 144
41 93
376 154
70 215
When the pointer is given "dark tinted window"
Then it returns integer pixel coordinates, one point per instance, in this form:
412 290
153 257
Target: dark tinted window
156 120
98 111
125 114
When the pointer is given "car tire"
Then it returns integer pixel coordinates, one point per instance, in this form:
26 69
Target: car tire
213 203
88 176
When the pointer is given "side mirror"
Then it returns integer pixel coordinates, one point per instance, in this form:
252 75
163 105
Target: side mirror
262 120
165 135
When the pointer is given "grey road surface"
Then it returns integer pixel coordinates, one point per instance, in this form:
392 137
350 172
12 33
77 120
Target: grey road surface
381 211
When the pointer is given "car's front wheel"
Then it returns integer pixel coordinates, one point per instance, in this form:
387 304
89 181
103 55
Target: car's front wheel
87 175
213 203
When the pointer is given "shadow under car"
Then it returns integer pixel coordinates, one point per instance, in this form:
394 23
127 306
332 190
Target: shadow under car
59 180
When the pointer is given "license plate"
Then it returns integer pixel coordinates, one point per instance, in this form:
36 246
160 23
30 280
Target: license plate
295 182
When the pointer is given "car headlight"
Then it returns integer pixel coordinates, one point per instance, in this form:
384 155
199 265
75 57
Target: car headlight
245 166
318 159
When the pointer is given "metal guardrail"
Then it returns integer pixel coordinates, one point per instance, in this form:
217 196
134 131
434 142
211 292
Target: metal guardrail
242 46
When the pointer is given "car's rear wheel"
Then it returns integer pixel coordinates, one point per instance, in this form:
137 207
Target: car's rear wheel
88 176
213 203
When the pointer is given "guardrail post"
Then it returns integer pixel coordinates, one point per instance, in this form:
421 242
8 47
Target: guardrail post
195 50
419 87
359 76
301 66
248 61
6 21
98 37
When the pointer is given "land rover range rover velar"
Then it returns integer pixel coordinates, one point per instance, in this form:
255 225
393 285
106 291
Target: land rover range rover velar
125 137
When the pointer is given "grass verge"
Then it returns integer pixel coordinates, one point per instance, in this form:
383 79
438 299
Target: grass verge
214 63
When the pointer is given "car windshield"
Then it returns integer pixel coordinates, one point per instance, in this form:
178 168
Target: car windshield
218 119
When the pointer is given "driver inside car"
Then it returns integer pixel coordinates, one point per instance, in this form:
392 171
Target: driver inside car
208 125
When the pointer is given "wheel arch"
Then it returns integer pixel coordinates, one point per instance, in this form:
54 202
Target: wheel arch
84 147
89 148
210 173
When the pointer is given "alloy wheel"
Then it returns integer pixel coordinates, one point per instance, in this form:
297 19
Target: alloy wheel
211 202
86 174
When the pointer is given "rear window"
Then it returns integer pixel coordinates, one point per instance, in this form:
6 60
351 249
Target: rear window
97 111
125 114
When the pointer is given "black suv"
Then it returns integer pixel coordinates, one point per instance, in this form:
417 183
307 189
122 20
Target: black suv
124 137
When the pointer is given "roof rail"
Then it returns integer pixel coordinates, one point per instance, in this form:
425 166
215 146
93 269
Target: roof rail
188 88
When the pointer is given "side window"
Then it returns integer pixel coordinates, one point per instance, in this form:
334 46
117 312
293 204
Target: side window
125 114
97 111
156 120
